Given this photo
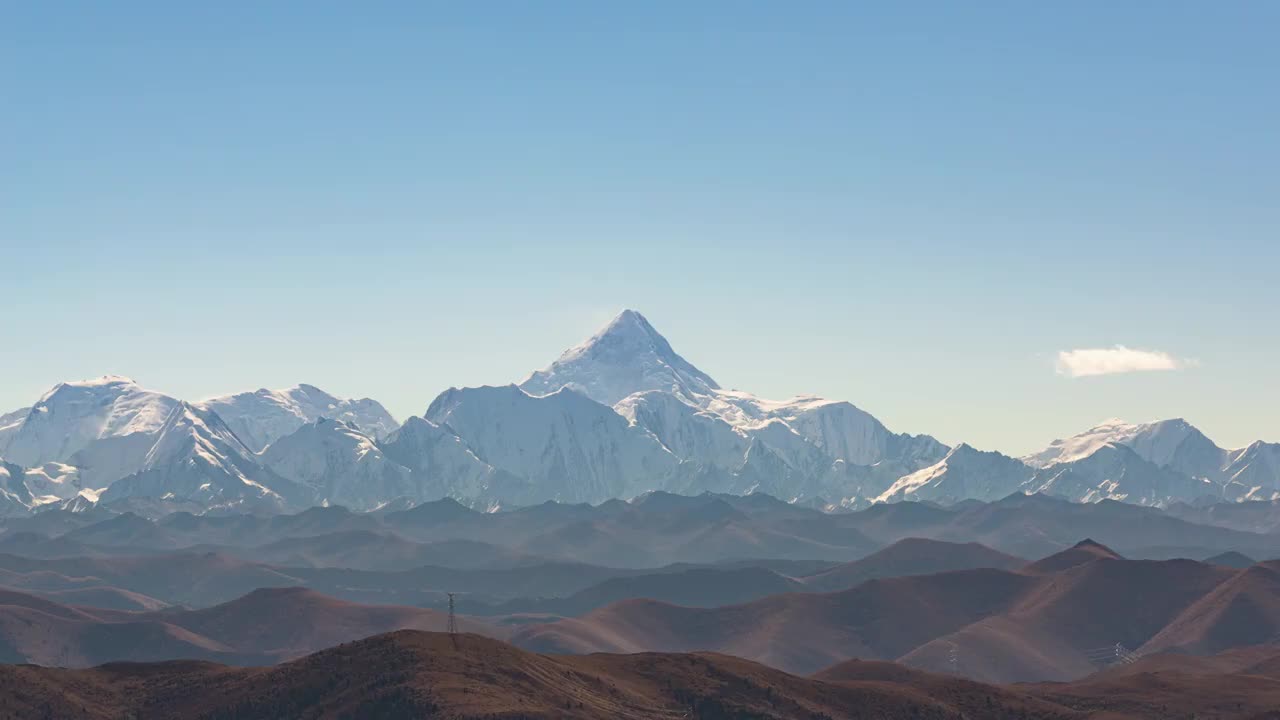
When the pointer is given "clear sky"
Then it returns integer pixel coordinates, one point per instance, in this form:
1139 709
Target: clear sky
915 206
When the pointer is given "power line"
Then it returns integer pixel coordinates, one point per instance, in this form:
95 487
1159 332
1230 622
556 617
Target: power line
1111 655
953 658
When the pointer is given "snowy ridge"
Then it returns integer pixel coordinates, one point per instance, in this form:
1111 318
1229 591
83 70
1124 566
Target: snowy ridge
1116 472
1175 444
1110 471
264 416
565 445
443 466
686 431
109 437
197 458
1164 443
1253 473
964 473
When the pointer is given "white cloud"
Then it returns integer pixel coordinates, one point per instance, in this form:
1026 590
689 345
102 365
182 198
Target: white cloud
1085 362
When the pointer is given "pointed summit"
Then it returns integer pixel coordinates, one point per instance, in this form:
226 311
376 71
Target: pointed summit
627 356
1083 552
1095 547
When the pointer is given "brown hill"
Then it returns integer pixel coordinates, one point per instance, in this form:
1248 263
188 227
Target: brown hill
1082 552
1069 621
1170 694
988 624
40 631
289 622
1244 610
410 674
912 556
103 597
413 675
177 578
798 632
263 627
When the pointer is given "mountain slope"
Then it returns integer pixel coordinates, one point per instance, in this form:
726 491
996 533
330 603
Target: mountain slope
689 432
263 627
196 457
1242 611
443 466
838 428
411 674
1118 472
964 473
565 445
1067 620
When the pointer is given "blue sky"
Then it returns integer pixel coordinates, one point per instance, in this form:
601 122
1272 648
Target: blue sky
913 206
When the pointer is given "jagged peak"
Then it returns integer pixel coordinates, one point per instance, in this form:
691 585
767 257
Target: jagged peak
965 451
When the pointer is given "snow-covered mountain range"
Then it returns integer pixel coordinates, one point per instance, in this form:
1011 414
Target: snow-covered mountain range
108 439
619 415
1149 463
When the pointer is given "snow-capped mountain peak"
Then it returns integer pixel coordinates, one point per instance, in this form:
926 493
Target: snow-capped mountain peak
1173 443
628 360
627 356
74 415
